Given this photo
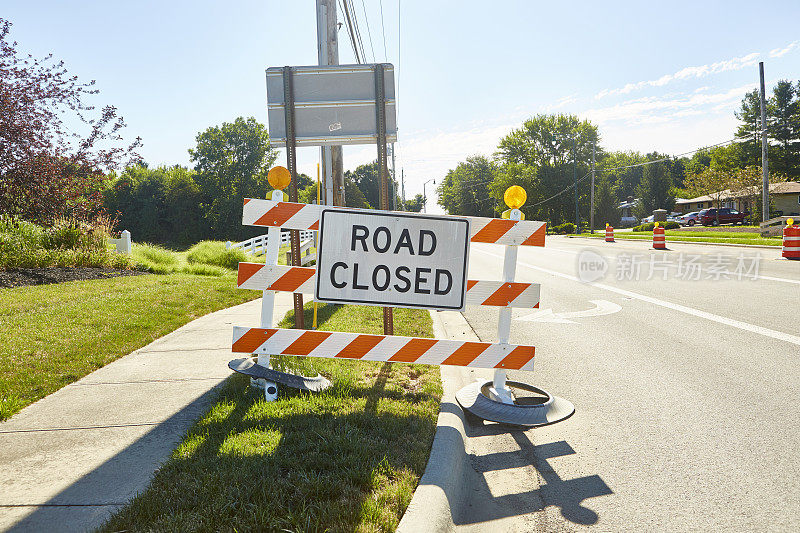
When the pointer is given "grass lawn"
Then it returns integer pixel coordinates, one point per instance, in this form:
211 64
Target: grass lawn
701 236
346 459
52 335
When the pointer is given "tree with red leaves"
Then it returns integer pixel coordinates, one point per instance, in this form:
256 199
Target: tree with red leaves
47 170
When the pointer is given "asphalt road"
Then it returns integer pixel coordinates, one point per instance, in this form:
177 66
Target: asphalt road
687 391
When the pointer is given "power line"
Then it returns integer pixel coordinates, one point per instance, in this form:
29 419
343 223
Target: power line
369 32
357 29
350 31
383 31
669 157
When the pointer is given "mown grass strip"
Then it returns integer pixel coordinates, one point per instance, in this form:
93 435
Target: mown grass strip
52 335
694 236
347 459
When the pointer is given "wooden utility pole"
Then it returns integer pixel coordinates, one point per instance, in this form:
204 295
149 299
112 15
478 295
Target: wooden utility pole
591 212
764 145
328 54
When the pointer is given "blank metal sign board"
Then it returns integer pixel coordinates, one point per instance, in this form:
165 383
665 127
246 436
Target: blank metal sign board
392 259
334 105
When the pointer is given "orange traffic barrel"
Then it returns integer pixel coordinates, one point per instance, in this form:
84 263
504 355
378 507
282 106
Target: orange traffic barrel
659 239
791 241
609 233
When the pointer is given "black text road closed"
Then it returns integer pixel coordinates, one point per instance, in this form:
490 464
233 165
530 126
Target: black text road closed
392 259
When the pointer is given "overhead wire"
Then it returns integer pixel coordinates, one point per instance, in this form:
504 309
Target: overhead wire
669 157
369 32
350 31
356 28
383 31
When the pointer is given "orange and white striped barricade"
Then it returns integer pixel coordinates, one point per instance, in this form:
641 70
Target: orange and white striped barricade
791 240
659 239
609 233
349 267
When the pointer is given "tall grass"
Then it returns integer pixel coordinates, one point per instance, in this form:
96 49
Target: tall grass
214 253
68 243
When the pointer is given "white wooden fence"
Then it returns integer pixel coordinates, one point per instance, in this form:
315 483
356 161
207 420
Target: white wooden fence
258 245
123 244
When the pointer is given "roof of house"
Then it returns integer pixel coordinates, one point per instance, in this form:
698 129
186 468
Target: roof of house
682 201
787 187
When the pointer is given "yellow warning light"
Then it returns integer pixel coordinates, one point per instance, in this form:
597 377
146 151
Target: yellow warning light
507 214
607 224
789 221
515 196
279 177
655 225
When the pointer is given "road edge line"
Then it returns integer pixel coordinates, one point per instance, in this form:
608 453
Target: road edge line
442 488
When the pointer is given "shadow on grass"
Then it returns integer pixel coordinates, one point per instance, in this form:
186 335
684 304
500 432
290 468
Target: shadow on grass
327 462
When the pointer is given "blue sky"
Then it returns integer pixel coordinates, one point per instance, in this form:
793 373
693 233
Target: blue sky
653 76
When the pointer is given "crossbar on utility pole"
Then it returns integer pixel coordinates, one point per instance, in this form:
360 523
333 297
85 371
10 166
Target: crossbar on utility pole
764 145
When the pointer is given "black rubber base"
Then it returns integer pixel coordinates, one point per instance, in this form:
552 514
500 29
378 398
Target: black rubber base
540 409
249 367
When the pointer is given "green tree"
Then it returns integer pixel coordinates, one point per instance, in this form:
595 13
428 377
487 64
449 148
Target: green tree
539 157
231 162
749 131
156 204
784 128
713 182
465 190
365 177
414 204
655 190
606 210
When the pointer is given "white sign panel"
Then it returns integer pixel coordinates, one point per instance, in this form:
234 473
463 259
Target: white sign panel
392 259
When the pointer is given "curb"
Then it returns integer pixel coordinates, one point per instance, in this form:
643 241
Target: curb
442 487
764 246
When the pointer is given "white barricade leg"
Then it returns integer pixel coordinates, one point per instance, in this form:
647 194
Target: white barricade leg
499 391
268 304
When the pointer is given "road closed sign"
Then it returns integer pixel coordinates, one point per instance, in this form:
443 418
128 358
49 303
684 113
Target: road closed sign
392 259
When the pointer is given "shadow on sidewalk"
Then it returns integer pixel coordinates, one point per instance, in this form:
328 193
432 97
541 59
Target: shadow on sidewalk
480 505
89 501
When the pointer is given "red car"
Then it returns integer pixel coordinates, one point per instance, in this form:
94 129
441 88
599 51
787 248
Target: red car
708 217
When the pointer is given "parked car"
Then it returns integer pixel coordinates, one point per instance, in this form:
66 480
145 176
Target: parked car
709 217
689 219
647 220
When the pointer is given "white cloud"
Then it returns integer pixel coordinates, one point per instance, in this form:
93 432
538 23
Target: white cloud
700 71
778 52
654 109
558 104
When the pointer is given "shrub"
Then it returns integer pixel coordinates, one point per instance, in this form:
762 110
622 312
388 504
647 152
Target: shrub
671 224
69 243
214 253
565 229
71 233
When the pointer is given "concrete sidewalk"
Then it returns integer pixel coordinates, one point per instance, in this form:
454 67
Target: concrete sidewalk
73 458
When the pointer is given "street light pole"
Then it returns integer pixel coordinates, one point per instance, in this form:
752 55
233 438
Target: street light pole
425 195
